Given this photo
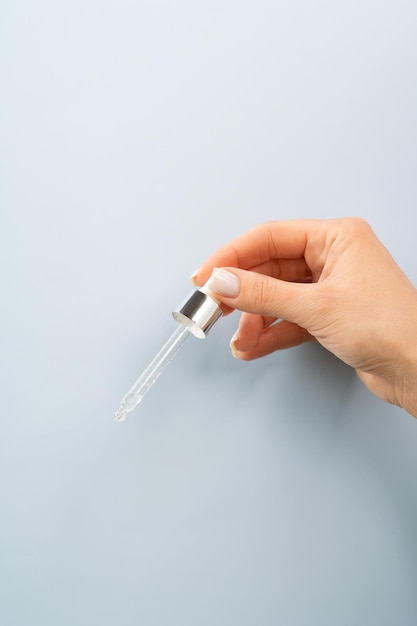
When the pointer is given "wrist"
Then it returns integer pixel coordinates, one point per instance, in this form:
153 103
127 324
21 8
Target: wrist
406 374
392 372
407 386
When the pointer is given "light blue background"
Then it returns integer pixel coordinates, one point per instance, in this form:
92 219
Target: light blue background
137 137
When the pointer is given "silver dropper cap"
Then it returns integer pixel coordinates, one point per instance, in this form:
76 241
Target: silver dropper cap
199 313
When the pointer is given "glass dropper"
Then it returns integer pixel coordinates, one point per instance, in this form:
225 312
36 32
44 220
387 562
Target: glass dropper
196 317
152 373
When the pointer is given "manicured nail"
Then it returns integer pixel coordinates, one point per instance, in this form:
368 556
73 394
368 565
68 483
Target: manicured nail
194 276
224 283
233 342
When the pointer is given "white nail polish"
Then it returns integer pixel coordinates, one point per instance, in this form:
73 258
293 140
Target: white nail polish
224 283
233 341
193 275
235 337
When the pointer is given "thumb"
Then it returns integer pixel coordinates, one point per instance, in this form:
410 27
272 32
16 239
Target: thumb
257 293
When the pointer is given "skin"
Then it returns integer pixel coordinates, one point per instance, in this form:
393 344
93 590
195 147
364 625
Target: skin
330 281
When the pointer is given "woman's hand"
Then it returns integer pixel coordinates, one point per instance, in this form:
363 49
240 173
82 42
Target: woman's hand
331 281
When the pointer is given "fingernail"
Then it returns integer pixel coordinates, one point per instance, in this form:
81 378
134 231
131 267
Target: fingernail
194 275
224 283
233 342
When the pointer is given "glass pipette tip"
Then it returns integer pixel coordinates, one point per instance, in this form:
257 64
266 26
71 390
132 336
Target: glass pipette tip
151 373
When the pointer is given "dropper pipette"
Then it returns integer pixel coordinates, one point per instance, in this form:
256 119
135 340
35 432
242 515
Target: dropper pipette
152 373
196 317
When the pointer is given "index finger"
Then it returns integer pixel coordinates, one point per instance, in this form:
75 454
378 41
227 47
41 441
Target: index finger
271 240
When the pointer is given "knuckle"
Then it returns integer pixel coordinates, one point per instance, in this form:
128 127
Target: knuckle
357 225
264 295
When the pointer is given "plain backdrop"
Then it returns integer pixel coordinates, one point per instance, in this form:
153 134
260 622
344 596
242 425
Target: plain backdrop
135 138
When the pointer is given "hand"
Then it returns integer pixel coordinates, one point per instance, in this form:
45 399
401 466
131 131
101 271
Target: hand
330 281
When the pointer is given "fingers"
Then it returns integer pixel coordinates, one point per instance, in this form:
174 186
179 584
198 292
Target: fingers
251 327
283 240
277 336
263 295
293 270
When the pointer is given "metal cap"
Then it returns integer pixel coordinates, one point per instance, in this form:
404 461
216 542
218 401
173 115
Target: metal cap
198 314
